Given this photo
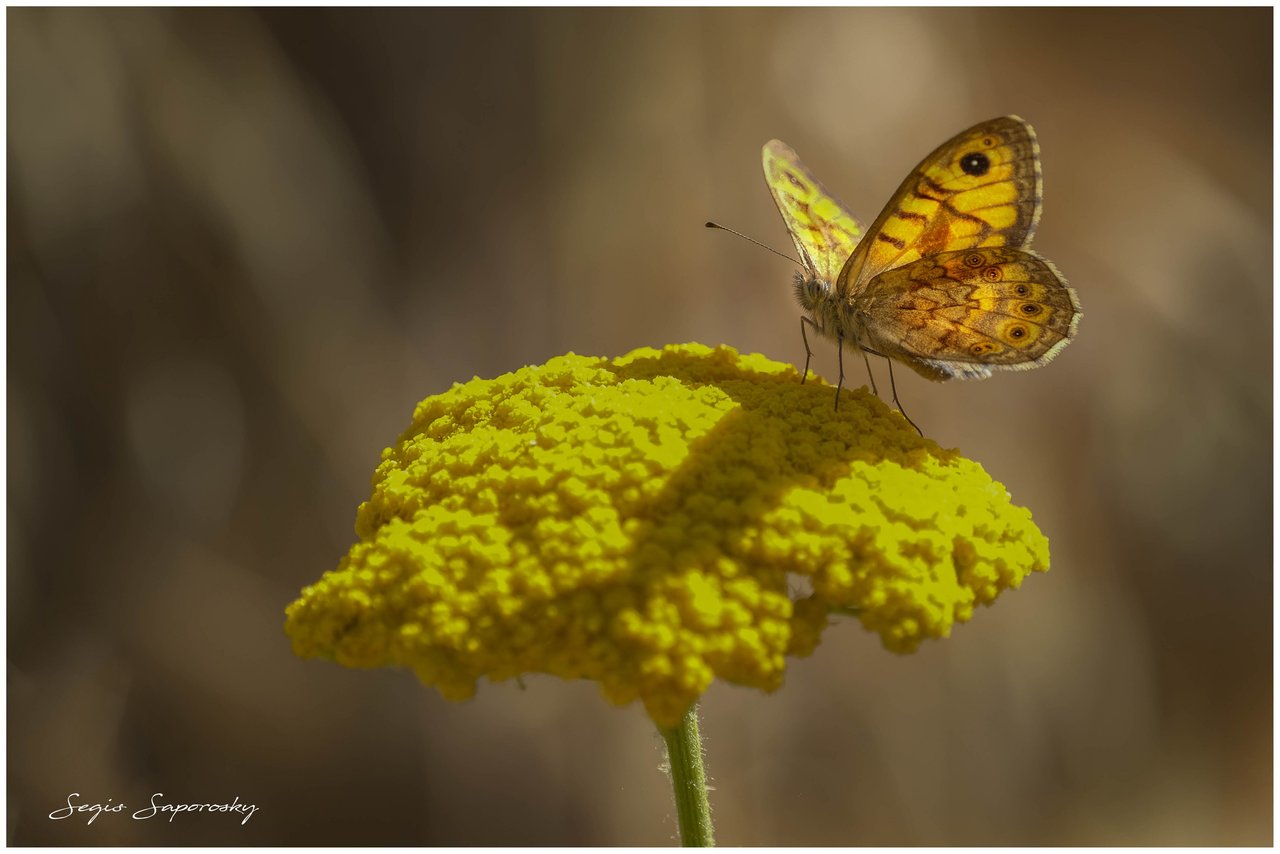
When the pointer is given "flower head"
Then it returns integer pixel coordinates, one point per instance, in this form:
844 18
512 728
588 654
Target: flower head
648 522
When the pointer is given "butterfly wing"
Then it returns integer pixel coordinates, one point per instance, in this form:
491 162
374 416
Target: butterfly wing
822 229
966 314
980 188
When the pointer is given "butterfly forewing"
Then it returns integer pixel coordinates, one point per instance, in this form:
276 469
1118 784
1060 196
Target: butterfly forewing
980 188
965 314
822 229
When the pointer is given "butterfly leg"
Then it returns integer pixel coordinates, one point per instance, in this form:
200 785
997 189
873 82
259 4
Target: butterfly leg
808 354
870 375
894 387
840 360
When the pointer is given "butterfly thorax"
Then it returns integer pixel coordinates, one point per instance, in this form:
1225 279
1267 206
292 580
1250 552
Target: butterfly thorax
832 314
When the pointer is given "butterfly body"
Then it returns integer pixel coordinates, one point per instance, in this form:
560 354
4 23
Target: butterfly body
943 281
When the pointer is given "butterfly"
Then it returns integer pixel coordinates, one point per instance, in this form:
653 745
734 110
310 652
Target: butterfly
943 281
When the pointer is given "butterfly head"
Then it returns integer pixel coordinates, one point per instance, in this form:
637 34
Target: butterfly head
811 292
834 317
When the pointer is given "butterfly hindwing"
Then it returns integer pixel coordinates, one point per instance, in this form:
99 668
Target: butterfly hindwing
980 188
964 314
823 230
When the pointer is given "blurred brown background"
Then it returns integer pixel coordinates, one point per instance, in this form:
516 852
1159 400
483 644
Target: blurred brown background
242 245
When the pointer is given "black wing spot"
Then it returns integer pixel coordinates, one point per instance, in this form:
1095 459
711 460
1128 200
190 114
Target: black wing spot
975 163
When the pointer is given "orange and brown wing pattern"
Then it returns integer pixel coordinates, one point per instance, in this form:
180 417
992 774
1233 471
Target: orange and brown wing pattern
980 188
822 229
965 314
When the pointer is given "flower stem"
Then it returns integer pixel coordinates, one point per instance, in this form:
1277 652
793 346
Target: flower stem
684 755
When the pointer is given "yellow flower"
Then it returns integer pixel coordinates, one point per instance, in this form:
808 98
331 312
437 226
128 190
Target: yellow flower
653 522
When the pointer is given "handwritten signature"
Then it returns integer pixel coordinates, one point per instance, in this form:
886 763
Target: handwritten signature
157 808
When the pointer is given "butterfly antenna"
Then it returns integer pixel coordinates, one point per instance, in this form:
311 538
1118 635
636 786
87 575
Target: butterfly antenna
753 240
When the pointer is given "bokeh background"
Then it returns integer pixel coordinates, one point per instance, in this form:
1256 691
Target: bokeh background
242 244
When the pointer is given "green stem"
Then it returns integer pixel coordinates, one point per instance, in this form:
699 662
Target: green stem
684 755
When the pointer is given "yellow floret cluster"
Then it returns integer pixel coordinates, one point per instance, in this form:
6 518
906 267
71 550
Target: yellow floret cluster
654 522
